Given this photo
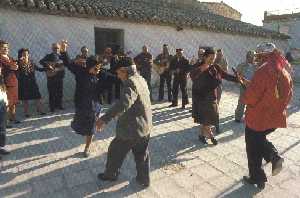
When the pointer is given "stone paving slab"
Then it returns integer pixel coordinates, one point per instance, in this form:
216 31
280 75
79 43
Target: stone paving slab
45 162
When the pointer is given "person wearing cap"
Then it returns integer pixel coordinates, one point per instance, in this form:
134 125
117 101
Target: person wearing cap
206 78
163 61
267 96
246 69
143 63
54 63
134 123
180 67
86 100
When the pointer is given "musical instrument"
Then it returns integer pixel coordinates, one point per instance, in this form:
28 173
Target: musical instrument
53 68
162 66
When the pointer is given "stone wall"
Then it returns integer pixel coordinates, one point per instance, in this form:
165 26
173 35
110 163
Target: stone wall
223 10
37 32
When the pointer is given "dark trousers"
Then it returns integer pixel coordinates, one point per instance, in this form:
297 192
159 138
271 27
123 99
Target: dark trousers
165 78
118 150
2 124
180 81
259 148
55 90
113 83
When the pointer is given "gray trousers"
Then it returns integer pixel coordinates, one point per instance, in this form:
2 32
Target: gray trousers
239 111
118 150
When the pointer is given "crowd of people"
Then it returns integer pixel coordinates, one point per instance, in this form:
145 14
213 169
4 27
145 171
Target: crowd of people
265 90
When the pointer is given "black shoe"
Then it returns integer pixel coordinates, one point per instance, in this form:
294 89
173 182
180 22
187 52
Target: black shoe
9 126
27 116
202 139
52 110
213 140
238 121
260 185
4 152
104 177
143 183
41 113
17 122
277 166
183 107
173 105
85 154
61 108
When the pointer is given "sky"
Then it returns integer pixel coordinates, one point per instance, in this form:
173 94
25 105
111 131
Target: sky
253 10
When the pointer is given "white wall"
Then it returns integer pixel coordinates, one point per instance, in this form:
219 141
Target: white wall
37 31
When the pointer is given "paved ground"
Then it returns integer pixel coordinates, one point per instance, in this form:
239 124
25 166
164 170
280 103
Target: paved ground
44 160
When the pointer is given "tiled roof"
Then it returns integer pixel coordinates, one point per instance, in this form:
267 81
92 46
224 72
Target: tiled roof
158 12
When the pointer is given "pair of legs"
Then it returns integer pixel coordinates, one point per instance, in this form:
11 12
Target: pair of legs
117 152
180 81
206 132
39 106
165 78
12 113
258 148
55 89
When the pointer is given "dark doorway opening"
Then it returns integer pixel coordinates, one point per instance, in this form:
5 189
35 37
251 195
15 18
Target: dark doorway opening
113 38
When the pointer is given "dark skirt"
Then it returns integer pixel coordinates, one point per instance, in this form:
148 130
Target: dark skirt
205 112
84 121
28 88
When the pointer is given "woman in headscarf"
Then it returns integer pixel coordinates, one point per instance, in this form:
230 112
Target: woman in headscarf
206 78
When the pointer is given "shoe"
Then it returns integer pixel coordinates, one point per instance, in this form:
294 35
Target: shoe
142 183
173 105
41 113
61 108
17 122
277 166
202 139
104 177
52 110
213 140
4 152
260 185
9 126
85 154
27 116
183 107
238 121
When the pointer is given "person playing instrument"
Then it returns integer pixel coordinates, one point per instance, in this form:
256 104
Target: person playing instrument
28 88
206 78
162 61
179 67
54 63
9 69
143 63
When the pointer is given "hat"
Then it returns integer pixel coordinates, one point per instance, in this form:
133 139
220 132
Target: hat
124 61
92 61
165 45
265 47
179 50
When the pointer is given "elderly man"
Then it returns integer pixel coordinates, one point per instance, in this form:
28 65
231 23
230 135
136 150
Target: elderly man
144 62
54 64
266 97
247 70
133 126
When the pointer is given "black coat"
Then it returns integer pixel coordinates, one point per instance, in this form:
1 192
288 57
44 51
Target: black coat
182 65
53 57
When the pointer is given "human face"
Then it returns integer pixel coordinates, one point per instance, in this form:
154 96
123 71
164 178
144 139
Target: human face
179 54
250 59
200 53
85 51
145 49
122 74
56 48
4 49
108 51
210 59
25 56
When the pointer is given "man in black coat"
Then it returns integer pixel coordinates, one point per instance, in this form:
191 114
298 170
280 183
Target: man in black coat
179 66
54 64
